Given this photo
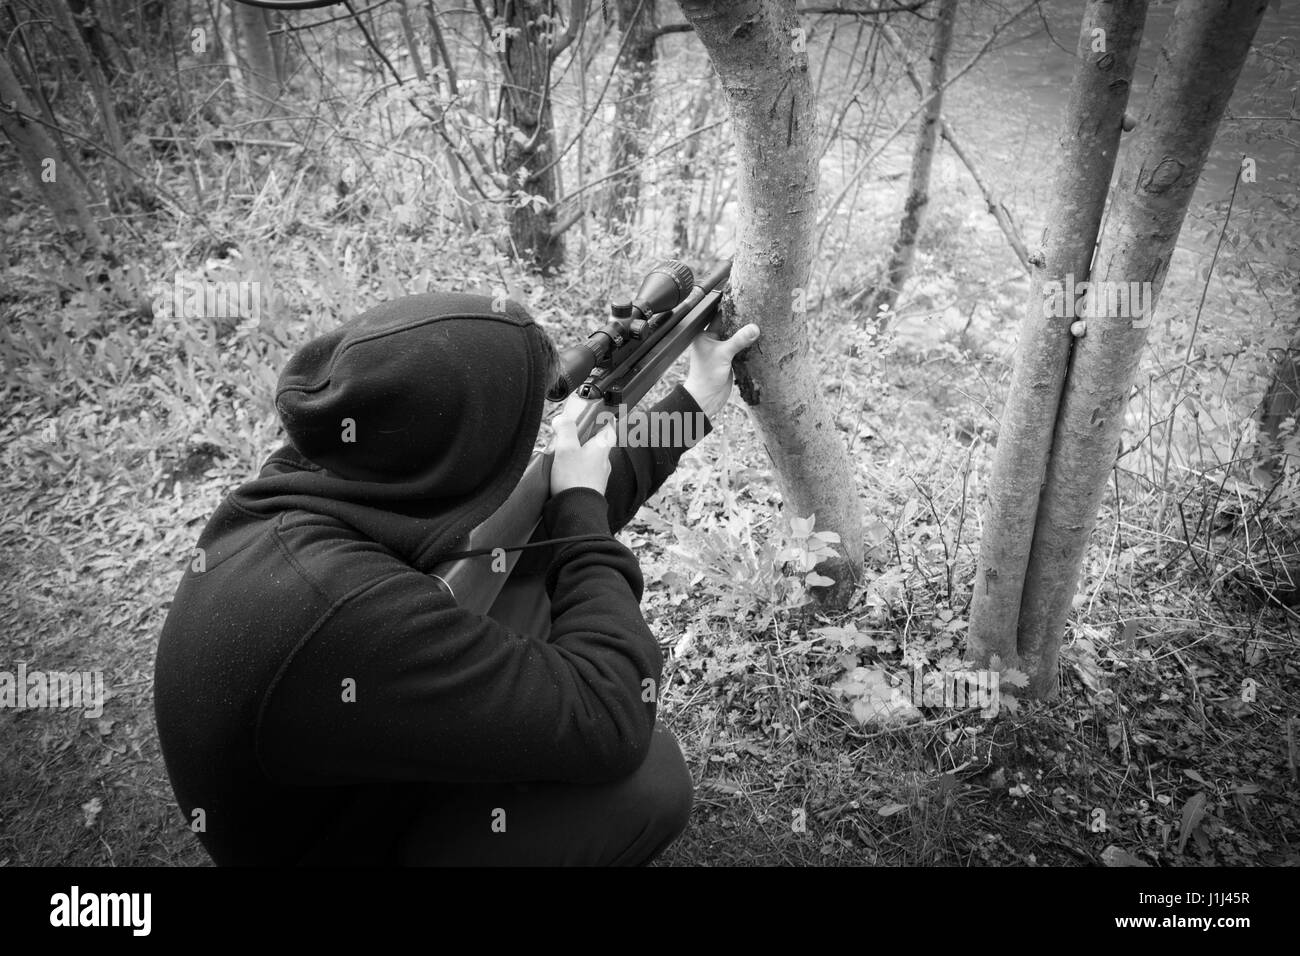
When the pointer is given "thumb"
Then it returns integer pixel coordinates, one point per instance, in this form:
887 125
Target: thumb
606 437
742 340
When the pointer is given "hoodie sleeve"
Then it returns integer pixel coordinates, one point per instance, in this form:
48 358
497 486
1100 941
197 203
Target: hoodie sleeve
400 684
636 473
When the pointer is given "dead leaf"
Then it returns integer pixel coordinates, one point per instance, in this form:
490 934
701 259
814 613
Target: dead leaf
1116 856
721 786
90 810
1193 813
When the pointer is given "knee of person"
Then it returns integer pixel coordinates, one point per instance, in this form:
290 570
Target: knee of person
663 788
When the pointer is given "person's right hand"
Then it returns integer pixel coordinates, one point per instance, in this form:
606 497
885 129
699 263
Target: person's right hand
576 465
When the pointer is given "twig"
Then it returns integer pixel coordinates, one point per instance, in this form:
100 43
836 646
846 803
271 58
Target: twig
320 23
233 141
599 99
1191 341
995 208
371 41
577 14
920 108
644 159
163 190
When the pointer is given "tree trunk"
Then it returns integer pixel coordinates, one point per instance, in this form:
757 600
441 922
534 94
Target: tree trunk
686 173
755 49
1281 402
465 205
115 176
530 143
256 57
918 189
1198 67
106 51
412 44
21 62
1085 162
996 208
38 156
632 109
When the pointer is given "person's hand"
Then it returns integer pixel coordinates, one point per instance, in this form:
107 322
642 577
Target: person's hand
576 465
709 376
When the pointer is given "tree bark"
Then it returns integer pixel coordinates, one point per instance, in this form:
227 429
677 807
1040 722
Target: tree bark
918 188
1198 67
106 51
686 173
412 45
768 92
530 144
94 78
40 159
466 207
256 57
21 62
632 109
1089 141
1281 402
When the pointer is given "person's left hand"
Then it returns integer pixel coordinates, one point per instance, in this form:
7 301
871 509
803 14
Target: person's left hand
709 377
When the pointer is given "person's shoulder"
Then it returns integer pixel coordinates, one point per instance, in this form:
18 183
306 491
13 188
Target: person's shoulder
338 560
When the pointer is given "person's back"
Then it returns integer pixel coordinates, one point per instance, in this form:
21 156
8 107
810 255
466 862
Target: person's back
320 697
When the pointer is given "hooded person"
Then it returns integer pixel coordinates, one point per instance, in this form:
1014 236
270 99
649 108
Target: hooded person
319 695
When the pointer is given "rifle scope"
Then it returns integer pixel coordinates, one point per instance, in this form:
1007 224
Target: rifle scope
667 284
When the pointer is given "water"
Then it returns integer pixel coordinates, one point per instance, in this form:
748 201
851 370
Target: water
1028 82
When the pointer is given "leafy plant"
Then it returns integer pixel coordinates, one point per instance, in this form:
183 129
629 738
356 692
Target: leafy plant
750 576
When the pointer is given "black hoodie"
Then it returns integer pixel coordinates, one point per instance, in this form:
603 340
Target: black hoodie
312 679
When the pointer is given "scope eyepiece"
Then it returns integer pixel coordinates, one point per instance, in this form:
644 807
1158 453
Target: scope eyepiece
576 363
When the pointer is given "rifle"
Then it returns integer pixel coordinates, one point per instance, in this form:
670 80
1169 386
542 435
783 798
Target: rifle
613 370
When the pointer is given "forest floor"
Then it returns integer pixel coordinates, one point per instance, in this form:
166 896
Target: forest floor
1171 743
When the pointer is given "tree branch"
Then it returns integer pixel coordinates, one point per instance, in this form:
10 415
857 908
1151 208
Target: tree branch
577 13
671 28
835 10
565 222
996 208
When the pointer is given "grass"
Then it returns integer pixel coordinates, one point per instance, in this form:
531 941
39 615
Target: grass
110 474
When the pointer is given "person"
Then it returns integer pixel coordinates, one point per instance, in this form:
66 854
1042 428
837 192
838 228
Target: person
320 698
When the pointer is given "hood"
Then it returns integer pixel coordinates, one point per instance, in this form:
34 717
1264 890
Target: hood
411 422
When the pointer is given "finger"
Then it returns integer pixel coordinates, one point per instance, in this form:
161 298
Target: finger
743 339
605 437
564 426
573 406
565 431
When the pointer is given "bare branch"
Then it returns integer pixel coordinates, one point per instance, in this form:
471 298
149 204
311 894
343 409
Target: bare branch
833 10
577 13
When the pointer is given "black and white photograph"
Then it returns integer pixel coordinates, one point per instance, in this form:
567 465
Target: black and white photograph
651 434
